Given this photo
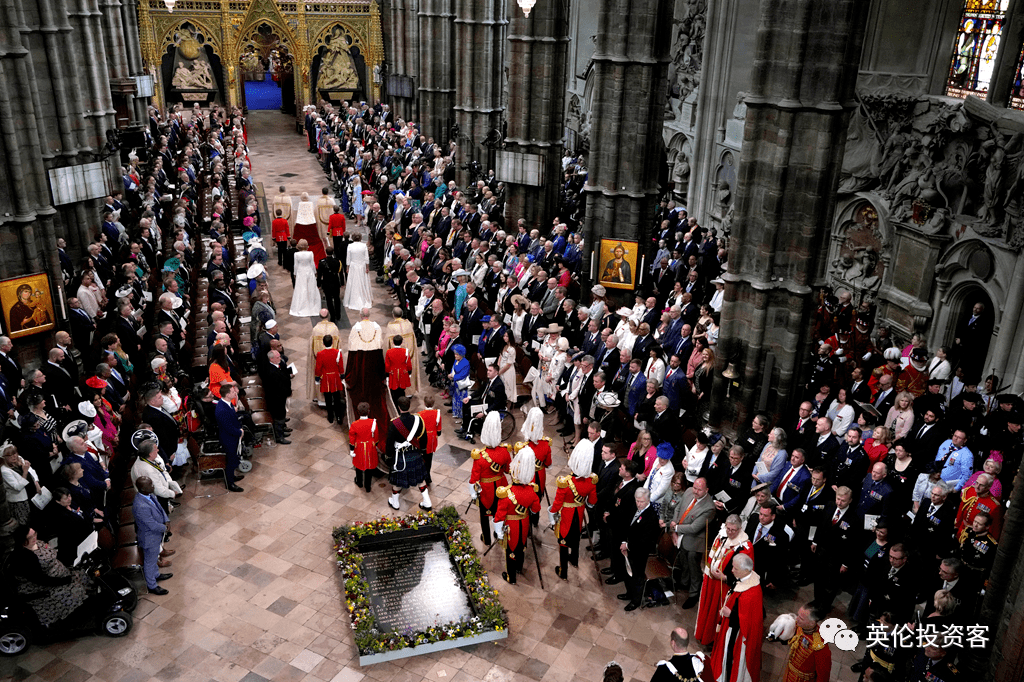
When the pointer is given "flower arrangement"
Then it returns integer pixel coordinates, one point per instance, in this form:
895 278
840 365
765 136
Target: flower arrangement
490 614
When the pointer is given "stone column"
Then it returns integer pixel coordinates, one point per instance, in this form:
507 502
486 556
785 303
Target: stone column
480 27
436 83
630 90
537 47
798 110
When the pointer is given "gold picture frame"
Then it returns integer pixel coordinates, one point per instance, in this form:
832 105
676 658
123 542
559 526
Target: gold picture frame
615 270
27 305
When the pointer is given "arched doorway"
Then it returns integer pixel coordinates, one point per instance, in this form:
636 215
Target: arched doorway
190 66
266 66
338 68
974 333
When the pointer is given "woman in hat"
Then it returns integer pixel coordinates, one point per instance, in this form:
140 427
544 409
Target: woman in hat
461 277
460 381
599 302
548 350
626 332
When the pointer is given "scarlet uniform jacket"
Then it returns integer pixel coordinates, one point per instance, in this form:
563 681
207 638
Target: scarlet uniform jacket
489 468
515 502
573 496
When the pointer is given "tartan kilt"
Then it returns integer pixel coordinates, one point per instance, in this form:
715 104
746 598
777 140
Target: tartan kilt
408 470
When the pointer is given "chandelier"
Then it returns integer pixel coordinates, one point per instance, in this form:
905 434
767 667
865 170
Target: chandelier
170 5
526 5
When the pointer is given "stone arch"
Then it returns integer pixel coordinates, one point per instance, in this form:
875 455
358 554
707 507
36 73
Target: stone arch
358 52
860 250
211 37
190 45
965 275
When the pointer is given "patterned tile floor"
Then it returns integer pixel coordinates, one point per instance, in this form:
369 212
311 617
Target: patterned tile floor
256 596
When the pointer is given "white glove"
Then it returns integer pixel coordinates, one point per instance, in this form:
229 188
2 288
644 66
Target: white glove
553 518
352 452
866 356
499 529
472 492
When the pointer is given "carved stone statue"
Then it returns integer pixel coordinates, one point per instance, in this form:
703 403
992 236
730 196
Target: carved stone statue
337 69
687 54
199 77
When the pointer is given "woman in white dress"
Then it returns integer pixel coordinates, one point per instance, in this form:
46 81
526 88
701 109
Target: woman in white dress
546 354
357 288
507 366
305 296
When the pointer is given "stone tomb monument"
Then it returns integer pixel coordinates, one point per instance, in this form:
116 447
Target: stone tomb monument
413 585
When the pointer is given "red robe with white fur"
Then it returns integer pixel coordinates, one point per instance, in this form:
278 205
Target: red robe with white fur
737 653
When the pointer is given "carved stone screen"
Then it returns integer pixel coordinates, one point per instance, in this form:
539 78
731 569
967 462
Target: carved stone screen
413 583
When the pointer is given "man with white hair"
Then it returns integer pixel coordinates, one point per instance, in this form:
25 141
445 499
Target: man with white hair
641 539
575 494
737 653
515 504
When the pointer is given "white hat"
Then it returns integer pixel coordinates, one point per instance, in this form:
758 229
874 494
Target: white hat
581 460
76 428
271 323
624 312
523 466
533 427
177 303
255 270
718 280
460 273
255 241
598 290
124 291
490 435
156 362
87 409
892 354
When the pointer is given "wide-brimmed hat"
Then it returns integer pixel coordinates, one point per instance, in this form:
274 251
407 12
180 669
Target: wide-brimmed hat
460 273
255 270
555 329
79 427
598 290
519 298
624 312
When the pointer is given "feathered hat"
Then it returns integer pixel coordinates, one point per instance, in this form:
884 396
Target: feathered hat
491 433
533 427
523 466
582 458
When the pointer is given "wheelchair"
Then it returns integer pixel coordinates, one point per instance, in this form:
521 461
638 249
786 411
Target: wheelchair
508 427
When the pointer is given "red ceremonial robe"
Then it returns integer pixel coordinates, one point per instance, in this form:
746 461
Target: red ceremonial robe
712 590
737 653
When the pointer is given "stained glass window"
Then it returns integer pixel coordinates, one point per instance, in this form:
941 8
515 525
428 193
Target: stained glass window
977 43
1017 92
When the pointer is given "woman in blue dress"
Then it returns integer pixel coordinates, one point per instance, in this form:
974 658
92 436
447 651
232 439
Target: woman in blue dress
460 372
461 276
358 207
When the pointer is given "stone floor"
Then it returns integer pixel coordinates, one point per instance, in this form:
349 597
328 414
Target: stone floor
256 595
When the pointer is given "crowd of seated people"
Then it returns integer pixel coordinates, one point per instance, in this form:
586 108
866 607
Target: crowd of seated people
123 394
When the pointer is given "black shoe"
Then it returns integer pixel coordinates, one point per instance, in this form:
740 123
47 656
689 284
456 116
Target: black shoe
174 504
504 576
632 606
612 581
858 667
284 441
158 590
691 602
484 540
607 571
167 536
330 419
286 431
236 489
600 556
164 576
558 572
622 597
239 477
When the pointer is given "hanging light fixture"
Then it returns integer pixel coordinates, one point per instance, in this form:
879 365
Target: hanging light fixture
526 5
170 5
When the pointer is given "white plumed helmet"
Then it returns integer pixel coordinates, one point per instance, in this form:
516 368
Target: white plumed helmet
892 354
581 461
490 435
533 427
523 466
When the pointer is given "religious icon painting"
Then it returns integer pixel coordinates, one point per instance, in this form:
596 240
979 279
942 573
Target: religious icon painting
616 263
27 305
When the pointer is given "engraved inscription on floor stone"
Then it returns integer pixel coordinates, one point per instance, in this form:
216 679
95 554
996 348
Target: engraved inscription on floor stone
413 583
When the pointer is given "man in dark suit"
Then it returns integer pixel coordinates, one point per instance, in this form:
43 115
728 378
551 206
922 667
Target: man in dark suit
836 546
802 435
886 395
150 527
850 463
635 387
637 544
643 343
59 382
875 492
896 590
931 533
675 387
328 278
126 329
471 326
162 424
925 439
859 390
770 538
491 395
793 483
229 428
82 326
607 468
735 480
809 512
616 521
824 446
277 386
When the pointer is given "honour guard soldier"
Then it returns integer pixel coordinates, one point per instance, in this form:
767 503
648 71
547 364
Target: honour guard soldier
810 659
362 442
978 550
573 493
533 432
490 464
515 503
398 365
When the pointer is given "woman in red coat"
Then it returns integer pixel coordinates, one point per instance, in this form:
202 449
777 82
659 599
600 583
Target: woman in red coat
362 443
737 653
